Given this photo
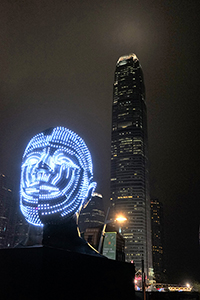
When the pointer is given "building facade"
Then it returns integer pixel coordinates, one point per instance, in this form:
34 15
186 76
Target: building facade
21 229
129 161
93 215
7 207
92 236
158 240
13 227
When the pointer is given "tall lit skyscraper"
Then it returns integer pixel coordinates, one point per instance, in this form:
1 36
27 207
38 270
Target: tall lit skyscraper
129 160
157 240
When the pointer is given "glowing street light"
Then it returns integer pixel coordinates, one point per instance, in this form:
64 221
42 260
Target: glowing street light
120 219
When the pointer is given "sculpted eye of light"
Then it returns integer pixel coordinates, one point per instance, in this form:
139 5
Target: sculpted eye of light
61 159
56 176
31 160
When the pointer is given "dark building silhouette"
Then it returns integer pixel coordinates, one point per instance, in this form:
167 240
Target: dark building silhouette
93 215
21 228
92 236
7 212
158 240
13 227
129 161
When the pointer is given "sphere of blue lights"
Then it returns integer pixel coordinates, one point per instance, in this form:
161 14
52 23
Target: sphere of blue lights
56 176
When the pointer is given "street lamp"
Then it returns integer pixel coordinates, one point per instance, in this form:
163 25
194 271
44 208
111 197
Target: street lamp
119 219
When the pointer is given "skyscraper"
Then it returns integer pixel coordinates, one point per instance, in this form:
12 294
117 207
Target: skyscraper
129 160
157 240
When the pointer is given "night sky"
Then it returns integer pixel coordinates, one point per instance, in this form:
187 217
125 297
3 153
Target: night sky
57 66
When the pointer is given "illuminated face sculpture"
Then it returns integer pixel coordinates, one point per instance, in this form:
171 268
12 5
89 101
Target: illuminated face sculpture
56 177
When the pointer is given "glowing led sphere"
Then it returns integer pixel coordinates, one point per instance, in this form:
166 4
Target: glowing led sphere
56 176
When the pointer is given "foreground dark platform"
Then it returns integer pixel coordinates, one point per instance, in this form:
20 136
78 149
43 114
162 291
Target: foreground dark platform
49 273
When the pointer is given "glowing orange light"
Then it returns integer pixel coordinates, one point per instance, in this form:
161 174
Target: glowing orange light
121 218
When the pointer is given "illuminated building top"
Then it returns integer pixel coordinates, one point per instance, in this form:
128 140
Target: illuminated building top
125 57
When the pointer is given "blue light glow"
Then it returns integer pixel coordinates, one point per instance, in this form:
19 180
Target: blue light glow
56 176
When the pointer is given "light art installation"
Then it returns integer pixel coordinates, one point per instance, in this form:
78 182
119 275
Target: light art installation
56 177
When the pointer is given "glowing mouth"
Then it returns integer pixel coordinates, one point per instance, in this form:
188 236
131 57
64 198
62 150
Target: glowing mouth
41 188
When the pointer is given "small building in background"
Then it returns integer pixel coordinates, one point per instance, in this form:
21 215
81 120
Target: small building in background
113 242
21 229
13 226
7 211
92 236
93 215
